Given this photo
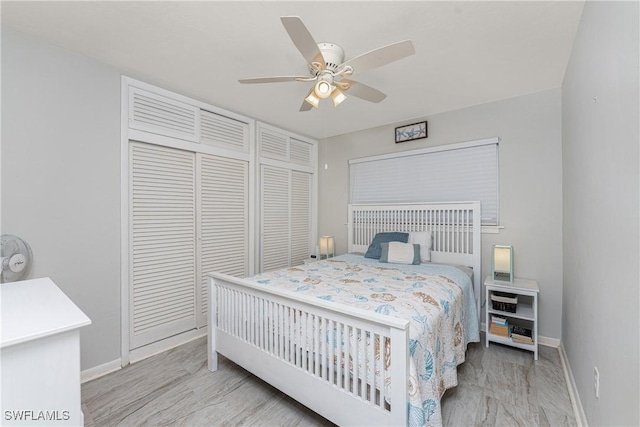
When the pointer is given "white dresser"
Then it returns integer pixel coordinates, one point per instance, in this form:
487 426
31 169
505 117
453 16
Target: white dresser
40 355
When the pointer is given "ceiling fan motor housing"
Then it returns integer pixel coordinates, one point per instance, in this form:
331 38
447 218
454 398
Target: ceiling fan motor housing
333 55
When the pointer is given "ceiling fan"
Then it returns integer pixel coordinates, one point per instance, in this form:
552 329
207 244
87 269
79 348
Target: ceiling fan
329 70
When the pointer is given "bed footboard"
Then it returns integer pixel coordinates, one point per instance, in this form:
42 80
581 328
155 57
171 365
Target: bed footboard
336 360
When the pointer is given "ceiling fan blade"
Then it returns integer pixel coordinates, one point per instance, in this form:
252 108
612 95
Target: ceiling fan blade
305 106
274 79
302 38
381 56
361 90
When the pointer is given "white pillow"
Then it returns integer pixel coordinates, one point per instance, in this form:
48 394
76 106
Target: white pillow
422 238
400 253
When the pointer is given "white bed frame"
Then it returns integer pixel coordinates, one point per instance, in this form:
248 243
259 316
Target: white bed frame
455 228
277 337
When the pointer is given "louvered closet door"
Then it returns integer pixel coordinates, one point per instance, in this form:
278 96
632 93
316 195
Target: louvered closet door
224 220
162 243
300 216
275 207
286 217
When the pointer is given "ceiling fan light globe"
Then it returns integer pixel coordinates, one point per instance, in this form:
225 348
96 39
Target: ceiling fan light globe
312 98
323 89
338 96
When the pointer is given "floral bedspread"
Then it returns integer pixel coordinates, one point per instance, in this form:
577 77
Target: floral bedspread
437 299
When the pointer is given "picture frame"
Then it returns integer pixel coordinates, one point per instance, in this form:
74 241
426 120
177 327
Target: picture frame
411 132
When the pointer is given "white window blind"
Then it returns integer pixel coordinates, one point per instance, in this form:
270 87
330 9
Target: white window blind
457 172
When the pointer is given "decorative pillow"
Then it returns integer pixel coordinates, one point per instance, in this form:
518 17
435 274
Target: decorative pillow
423 238
400 253
374 250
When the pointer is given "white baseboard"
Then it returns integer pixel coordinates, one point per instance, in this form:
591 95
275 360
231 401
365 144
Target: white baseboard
141 353
548 341
166 344
100 370
578 410
542 340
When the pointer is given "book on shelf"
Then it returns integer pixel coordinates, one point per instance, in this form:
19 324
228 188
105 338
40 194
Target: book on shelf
521 331
521 340
496 329
504 297
521 334
500 333
499 320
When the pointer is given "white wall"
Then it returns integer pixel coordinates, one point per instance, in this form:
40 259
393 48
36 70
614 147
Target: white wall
61 178
530 183
600 208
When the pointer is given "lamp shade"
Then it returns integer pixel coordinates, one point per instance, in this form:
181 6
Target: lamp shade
323 89
312 98
502 263
326 247
338 96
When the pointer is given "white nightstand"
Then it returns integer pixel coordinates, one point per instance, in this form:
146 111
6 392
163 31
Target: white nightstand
526 311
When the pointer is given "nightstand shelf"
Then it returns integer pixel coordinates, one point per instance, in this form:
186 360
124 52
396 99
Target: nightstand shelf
523 311
507 341
526 313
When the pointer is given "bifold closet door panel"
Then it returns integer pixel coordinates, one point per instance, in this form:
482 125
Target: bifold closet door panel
162 197
275 202
286 217
223 222
300 217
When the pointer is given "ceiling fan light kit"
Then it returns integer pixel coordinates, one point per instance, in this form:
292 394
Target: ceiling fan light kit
328 68
322 90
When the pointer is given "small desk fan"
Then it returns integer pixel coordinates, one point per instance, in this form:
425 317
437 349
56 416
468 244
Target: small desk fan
15 256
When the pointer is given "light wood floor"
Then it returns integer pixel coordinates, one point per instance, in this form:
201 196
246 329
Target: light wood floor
497 386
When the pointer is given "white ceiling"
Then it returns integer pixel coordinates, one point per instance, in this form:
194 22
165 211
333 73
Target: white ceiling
467 53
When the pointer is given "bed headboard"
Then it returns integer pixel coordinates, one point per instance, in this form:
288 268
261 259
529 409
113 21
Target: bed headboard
455 227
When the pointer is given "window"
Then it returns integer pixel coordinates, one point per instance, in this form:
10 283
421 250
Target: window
456 172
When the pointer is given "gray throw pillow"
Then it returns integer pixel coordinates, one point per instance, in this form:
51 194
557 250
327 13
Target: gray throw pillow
374 250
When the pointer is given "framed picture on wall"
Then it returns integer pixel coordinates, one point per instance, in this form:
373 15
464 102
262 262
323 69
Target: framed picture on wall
411 132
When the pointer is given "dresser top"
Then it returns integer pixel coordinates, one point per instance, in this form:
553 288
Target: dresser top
37 308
